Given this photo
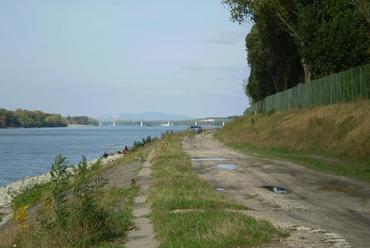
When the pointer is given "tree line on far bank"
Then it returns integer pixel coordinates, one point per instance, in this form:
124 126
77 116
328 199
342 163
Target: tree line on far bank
29 119
295 41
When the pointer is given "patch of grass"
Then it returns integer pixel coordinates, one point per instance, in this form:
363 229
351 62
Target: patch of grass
29 196
213 223
119 202
341 130
356 169
74 210
1 216
334 139
32 194
85 224
141 143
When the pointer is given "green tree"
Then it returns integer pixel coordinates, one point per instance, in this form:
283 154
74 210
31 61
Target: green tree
283 13
7 119
322 37
27 119
363 6
336 36
59 182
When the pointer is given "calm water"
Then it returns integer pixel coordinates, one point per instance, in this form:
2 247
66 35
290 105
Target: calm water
30 152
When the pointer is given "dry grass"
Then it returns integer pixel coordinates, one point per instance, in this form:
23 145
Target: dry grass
341 130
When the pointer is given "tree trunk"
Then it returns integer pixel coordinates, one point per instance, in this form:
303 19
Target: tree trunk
364 8
286 86
307 71
274 82
294 34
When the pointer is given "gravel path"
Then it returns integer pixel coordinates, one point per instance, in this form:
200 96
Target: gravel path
320 210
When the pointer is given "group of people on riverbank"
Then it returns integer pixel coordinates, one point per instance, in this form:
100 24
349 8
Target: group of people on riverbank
123 151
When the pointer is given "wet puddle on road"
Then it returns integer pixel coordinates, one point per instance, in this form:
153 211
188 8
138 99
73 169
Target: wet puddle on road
276 189
208 159
226 166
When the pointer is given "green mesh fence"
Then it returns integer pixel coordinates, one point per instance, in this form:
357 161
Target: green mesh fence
347 86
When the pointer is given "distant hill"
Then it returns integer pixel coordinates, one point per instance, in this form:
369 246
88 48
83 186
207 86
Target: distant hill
147 116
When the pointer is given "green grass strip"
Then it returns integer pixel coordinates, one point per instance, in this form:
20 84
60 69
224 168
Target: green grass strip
188 212
356 169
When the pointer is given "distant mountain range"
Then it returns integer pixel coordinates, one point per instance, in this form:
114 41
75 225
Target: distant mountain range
147 116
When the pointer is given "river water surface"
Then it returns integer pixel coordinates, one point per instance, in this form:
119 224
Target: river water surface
30 152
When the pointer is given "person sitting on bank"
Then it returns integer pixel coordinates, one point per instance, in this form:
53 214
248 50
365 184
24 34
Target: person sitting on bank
125 151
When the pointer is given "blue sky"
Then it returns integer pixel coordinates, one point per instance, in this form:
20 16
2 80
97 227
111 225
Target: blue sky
100 57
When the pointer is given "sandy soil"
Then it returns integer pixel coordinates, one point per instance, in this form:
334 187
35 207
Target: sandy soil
320 210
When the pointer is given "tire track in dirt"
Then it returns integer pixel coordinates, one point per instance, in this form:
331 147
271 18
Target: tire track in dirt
320 210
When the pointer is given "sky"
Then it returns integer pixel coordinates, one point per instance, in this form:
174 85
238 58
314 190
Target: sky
96 57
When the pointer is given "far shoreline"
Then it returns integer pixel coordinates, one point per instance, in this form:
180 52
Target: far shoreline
80 125
67 126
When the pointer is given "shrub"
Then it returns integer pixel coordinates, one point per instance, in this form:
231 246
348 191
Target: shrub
138 144
59 184
73 211
81 168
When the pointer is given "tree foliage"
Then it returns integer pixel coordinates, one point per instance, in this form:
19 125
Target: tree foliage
28 119
25 118
363 6
293 41
336 36
81 120
274 61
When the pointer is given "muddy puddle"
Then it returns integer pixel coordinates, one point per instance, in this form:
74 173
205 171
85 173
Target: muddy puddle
226 166
208 159
276 189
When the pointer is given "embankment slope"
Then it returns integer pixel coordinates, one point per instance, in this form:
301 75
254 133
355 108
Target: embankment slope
334 139
340 130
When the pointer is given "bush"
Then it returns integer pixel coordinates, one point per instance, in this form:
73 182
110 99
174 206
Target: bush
74 210
138 144
81 168
59 184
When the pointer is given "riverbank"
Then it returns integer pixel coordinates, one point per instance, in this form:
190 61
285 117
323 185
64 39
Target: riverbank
91 208
8 192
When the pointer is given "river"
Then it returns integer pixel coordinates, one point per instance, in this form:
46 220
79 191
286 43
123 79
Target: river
30 152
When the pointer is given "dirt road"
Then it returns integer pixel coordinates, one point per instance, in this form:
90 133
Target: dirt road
320 210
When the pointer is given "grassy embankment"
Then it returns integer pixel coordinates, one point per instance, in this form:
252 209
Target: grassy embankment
73 210
190 213
333 139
